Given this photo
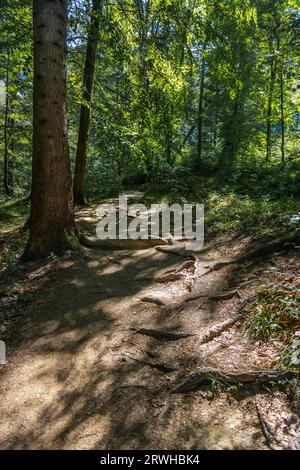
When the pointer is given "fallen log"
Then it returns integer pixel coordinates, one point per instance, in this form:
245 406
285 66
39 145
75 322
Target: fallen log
282 243
118 244
216 330
204 377
162 335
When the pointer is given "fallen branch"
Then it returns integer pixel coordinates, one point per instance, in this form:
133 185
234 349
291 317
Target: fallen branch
119 244
282 243
264 427
205 376
162 335
217 330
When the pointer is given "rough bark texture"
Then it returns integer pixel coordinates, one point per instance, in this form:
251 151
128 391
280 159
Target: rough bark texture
218 329
162 335
205 376
52 217
85 111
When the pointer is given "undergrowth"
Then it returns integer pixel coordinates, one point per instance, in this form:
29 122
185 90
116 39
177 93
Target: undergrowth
276 315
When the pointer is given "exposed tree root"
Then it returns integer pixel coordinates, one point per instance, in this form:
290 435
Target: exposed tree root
162 335
221 296
177 249
282 243
218 329
119 244
173 275
161 366
170 277
142 386
205 376
153 300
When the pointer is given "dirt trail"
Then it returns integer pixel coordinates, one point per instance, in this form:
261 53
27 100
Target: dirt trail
71 383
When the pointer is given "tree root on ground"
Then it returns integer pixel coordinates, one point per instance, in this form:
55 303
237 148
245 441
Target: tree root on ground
218 329
177 250
161 366
153 300
118 244
169 277
206 376
282 243
220 296
162 335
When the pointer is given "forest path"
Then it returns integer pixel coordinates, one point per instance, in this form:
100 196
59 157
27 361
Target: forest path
72 381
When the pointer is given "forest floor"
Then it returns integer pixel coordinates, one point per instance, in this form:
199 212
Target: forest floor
79 377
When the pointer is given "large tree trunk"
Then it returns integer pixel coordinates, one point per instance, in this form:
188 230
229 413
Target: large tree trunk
85 111
52 216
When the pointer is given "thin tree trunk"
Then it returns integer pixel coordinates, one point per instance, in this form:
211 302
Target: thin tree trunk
5 136
52 226
281 87
187 136
200 118
270 109
282 118
231 131
85 111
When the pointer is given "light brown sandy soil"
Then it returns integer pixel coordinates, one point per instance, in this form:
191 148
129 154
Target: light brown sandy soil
67 381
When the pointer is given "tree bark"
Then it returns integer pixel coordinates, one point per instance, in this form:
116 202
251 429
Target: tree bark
206 376
232 127
6 172
85 111
281 88
200 118
52 225
270 109
187 136
282 118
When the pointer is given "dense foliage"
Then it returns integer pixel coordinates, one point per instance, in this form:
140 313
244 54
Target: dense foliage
205 84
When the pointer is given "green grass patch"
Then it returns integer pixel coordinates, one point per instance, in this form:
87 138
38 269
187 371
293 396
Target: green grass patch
13 215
